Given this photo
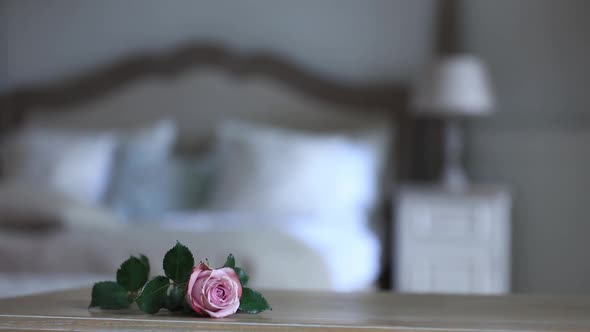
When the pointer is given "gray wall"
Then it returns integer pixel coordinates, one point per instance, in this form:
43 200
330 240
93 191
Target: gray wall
349 39
539 140
538 51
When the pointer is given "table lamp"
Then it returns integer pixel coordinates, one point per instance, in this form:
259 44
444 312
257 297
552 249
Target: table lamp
453 87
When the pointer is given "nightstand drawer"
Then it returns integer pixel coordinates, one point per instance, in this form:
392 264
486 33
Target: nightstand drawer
449 274
449 221
436 269
452 241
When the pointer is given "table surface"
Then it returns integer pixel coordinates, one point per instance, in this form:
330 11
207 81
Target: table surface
312 311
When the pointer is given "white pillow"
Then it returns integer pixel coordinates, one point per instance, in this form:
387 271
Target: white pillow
139 184
73 163
265 169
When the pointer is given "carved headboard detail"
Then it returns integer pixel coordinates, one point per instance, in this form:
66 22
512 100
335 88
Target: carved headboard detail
16 105
103 80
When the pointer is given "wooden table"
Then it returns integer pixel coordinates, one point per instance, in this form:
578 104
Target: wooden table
300 311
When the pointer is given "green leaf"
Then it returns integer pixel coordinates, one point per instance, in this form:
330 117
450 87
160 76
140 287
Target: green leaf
174 299
153 295
178 263
242 275
253 302
132 274
109 295
186 307
230 261
145 262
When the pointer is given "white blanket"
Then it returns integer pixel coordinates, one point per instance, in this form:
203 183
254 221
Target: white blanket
340 249
348 248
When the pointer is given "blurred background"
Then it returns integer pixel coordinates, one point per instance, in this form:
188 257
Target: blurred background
402 145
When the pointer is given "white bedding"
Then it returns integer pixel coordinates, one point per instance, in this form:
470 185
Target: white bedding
348 247
43 261
339 248
315 210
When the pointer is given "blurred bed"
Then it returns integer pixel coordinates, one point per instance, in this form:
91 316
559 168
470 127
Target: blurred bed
252 155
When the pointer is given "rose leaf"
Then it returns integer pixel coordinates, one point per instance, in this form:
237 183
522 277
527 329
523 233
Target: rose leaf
253 302
230 261
186 307
178 263
153 295
174 299
109 295
242 276
145 262
132 274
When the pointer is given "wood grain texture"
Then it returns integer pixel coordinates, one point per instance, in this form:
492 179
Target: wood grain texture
301 311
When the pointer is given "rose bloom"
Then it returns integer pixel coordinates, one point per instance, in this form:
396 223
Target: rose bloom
214 292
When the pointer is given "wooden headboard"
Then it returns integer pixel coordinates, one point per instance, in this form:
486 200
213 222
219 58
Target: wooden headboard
17 105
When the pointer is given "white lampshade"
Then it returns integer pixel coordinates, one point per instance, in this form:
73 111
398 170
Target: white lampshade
456 85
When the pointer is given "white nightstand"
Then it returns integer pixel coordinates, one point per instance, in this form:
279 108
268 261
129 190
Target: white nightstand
452 242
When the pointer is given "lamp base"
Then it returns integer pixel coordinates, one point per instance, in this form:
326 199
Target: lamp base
453 175
454 178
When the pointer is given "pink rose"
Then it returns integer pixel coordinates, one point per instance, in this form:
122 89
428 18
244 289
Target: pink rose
214 292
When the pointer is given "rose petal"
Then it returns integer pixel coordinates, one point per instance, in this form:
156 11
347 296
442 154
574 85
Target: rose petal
214 292
228 286
233 276
197 278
